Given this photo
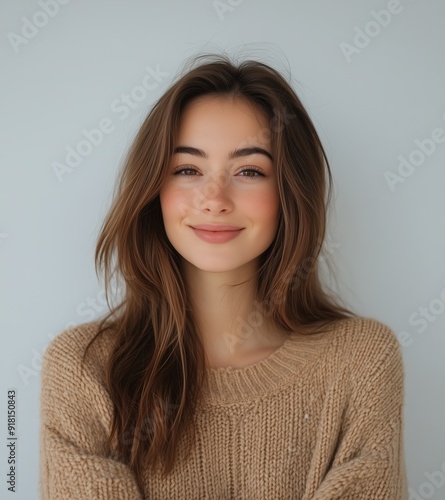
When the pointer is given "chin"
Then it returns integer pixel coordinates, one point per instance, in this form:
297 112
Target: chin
223 266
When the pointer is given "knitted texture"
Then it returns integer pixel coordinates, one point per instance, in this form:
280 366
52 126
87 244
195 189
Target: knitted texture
321 418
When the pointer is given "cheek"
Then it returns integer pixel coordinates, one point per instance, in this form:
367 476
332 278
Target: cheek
263 205
172 201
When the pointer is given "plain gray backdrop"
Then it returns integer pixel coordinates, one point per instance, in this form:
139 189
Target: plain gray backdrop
372 77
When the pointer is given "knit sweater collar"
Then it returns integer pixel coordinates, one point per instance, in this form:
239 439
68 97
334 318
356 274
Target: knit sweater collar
285 365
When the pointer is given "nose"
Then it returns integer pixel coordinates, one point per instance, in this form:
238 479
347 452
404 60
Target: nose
214 196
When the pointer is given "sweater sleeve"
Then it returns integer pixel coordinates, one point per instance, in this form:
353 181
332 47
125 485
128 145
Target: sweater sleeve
73 460
369 461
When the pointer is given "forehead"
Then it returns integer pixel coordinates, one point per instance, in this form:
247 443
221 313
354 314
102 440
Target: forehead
224 117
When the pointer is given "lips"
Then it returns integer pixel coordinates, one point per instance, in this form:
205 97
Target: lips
216 234
217 227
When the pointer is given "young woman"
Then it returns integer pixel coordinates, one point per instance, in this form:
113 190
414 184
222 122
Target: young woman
226 371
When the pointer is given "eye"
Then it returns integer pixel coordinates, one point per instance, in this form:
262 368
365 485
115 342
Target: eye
253 169
183 169
189 171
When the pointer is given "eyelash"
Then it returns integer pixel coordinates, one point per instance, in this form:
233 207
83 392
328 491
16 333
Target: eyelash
253 169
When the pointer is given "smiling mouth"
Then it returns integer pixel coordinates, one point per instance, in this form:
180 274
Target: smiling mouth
216 236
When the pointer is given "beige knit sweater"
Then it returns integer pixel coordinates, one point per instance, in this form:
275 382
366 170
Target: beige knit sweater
319 419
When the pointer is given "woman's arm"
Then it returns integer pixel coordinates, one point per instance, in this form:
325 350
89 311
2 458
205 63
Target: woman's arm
74 416
369 461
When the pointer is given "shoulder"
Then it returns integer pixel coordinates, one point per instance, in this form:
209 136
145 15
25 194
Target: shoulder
369 347
66 357
366 335
364 332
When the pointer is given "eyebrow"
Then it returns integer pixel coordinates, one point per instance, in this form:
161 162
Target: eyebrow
253 150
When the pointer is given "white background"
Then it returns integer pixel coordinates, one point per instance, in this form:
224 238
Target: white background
387 245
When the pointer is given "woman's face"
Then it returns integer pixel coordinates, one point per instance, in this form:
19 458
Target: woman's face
206 185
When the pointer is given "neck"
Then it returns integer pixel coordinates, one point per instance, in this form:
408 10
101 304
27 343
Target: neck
230 322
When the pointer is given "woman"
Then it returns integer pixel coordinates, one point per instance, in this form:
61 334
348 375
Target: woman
226 371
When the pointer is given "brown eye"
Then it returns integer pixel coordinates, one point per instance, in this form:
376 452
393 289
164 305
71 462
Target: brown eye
182 169
253 169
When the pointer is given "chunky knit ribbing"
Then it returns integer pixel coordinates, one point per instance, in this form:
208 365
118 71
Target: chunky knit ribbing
319 419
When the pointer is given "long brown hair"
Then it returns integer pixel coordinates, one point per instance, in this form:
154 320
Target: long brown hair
157 367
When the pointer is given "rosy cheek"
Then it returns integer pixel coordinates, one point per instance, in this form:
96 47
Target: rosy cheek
175 202
264 204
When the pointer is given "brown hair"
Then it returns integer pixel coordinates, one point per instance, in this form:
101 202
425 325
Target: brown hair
157 367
